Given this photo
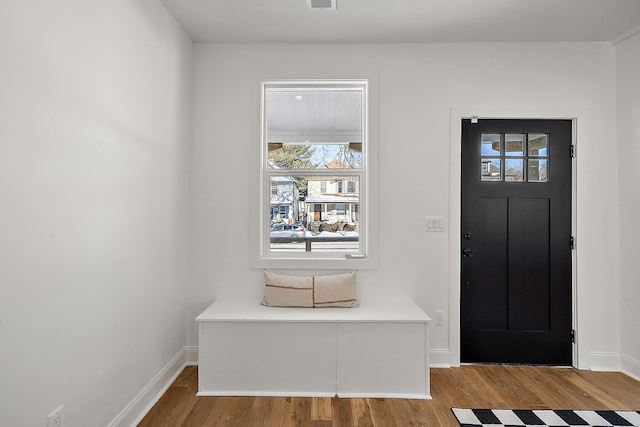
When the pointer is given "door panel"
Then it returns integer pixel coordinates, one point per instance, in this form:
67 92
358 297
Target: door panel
492 290
529 264
516 230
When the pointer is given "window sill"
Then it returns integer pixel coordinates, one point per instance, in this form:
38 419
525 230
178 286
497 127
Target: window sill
297 263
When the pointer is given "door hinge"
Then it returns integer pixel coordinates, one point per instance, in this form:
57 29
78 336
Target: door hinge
573 335
573 242
573 151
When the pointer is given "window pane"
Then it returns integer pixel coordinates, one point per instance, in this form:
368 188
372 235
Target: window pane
490 144
310 128
491 170
514 144
285 191
538 170
314 156
538 144
326 220
514 170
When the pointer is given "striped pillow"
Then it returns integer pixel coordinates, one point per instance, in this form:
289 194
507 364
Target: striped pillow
282 290
335 290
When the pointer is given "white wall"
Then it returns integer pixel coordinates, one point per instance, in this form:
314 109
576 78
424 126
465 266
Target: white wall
94 130
419 84
628 111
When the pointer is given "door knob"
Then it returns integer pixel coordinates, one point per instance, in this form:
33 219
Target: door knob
467 253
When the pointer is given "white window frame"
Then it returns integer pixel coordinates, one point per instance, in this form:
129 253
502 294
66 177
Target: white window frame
367 257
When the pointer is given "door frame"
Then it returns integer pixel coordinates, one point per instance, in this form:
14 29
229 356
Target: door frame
457 114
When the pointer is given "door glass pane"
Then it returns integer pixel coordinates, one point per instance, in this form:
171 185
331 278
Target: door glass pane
514 170
490 144
506 156
538 170
491 170
514 144
538 144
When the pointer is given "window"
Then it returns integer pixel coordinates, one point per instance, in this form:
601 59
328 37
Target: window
279 214
314 138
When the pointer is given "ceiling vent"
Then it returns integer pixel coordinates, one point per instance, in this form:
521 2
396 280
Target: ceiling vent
321 4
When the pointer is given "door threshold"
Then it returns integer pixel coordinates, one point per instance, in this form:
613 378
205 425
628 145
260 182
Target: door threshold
514 364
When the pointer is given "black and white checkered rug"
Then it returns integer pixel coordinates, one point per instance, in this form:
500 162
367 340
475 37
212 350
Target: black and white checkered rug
526 418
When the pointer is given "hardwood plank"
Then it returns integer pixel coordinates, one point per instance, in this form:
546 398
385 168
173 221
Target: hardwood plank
541 382
404 413
341 412
381 415
281 411
187 378
321 409
514 392
202 410
472 386
228 411
260 411
164 411
301 411
619 387
360 413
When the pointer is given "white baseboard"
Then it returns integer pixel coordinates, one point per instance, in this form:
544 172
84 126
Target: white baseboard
191 355
606 362
439 358
384 396
630 366
133 413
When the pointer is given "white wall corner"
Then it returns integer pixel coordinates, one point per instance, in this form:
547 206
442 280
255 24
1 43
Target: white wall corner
439 358
133 413
191 355
627 34
630 366
604 361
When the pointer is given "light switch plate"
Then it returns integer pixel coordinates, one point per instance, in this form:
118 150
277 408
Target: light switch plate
434 223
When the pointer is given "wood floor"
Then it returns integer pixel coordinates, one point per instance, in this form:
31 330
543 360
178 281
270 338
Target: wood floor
501 387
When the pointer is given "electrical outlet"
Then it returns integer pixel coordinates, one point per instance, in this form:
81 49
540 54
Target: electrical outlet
54 419
439 317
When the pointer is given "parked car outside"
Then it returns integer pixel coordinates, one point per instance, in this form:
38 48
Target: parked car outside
287 230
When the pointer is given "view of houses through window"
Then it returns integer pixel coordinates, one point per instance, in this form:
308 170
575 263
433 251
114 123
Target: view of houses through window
515 157
314 166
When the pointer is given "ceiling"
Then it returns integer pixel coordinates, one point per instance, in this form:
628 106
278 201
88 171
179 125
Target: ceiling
406 21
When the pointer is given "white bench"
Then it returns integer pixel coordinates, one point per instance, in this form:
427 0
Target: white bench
379 349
